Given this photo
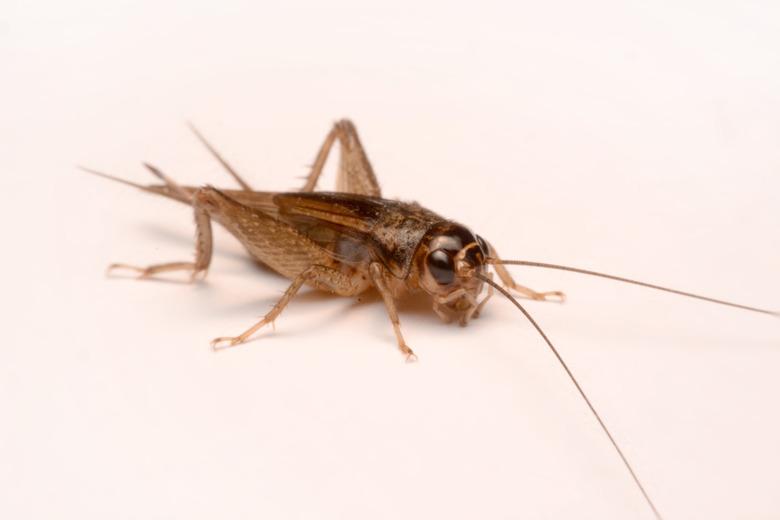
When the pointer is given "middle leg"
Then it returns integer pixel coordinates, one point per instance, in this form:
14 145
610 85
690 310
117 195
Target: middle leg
377 272
508 281
320 276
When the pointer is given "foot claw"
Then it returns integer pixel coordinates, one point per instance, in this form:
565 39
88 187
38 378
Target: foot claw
198 275
113 267
411 357
219 343
553 296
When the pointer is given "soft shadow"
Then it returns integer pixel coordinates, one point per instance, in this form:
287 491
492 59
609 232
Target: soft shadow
416 305
419 306
162 233
266 302
341 308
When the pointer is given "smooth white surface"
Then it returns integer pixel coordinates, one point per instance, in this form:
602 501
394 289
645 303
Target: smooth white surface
636 139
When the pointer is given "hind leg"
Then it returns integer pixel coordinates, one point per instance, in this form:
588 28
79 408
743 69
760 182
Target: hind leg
355 174
201 204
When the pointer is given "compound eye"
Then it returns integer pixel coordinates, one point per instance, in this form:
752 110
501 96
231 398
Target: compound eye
441 267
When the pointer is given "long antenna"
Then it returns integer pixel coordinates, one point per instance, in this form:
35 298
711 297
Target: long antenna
634 282
579 389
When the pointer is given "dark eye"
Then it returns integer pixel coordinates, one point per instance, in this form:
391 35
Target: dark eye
440 267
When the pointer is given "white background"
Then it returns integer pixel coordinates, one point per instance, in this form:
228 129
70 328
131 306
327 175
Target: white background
636 139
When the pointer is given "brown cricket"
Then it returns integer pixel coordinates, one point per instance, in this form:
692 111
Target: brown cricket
351 240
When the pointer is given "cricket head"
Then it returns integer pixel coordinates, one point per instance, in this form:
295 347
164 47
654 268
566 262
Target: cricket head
448 261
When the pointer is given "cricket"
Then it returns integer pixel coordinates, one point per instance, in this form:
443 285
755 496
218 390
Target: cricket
352 240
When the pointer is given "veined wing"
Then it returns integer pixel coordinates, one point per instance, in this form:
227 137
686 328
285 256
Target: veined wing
356 228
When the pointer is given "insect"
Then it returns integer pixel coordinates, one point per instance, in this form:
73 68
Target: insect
352 240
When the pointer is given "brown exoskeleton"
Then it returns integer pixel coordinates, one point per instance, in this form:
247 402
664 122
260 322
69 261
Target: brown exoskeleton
352 240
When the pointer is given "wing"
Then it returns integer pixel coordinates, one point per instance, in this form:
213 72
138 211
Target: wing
357 228
261 200
352 228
